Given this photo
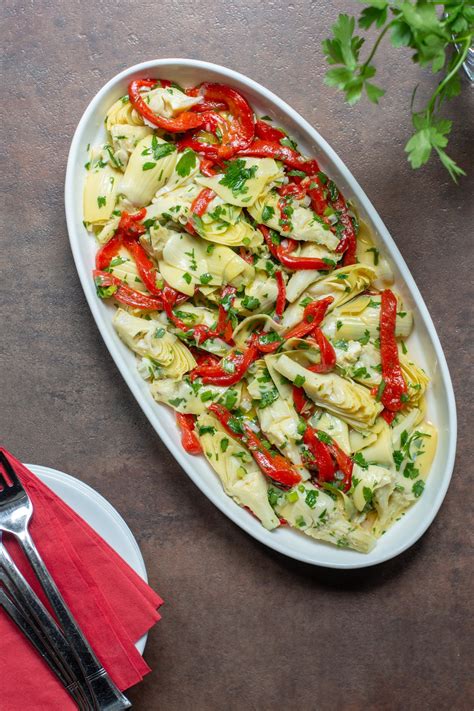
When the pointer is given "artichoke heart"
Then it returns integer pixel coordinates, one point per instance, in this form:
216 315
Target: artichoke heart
349 401
150 339
244 180
316 514
237 470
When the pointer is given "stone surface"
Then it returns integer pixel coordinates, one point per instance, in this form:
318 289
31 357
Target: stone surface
243 628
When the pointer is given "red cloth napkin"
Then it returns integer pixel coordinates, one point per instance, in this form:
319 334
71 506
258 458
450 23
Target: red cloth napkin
112 604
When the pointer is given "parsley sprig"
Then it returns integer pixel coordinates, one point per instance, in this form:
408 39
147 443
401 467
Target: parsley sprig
427 27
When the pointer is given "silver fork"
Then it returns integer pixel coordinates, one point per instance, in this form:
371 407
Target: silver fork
45 631
15 514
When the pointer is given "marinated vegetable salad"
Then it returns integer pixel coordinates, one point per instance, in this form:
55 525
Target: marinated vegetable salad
260 310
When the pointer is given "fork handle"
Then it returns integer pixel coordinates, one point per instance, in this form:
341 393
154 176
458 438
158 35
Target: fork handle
107 695
52 638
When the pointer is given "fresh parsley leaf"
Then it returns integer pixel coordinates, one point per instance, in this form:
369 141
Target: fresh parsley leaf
267 213
236 175
101 200
418 488
186 163
299 380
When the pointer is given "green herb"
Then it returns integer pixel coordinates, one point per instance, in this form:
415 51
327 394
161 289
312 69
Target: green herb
360 373
116 261
289 143
324 437
267 338
250 302
297 173
311 498
300 522
148 166
418 488
404 397
306 301
235 425
186 163
101 200
333 191
177 401
410 471
367 494
206 429
205 278
207 395
159 333
267 213
187 277
365 338
360 460
398 459
224 444
323 178
376 254
273 496
299 380
104 292
380 390
229 399
342 276
267 398
342 344
338 325
266 118
236 175
429 28
404 348
210 248
331 262
149 223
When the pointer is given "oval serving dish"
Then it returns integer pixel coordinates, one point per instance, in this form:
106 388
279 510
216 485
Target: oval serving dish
424 342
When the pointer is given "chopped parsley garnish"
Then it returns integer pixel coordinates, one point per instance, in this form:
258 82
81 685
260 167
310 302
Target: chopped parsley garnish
360 460
186 163
101 200
311 498
250 302
236 175
159 333
267 398
380 390
375 253
324 437
177 401
267 213
224 444
299 380
205 278
418 488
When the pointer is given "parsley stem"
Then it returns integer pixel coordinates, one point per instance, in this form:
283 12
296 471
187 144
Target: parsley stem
377 42
462 56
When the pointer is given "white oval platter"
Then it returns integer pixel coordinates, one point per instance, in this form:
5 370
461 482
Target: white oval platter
424 342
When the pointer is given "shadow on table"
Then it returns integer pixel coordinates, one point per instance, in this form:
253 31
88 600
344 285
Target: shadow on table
360 580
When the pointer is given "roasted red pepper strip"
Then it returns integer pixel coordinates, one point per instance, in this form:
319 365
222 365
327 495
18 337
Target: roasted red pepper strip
189 438
201 202
318 197
268 133
282 253
145 266
206 167
299 399
275 466
321 453
183 122
281 298
388 415
348 243
224 327
125 294
313 316
107 252
272 149
296 190
327 353
128 228
237 132
216 375
395 391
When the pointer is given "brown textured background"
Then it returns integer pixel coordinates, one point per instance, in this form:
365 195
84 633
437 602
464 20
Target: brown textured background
243 627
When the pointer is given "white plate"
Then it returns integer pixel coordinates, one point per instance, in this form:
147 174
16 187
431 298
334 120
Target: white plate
424 343
99 514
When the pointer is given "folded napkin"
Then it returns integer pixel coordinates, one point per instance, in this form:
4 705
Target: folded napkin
112 604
